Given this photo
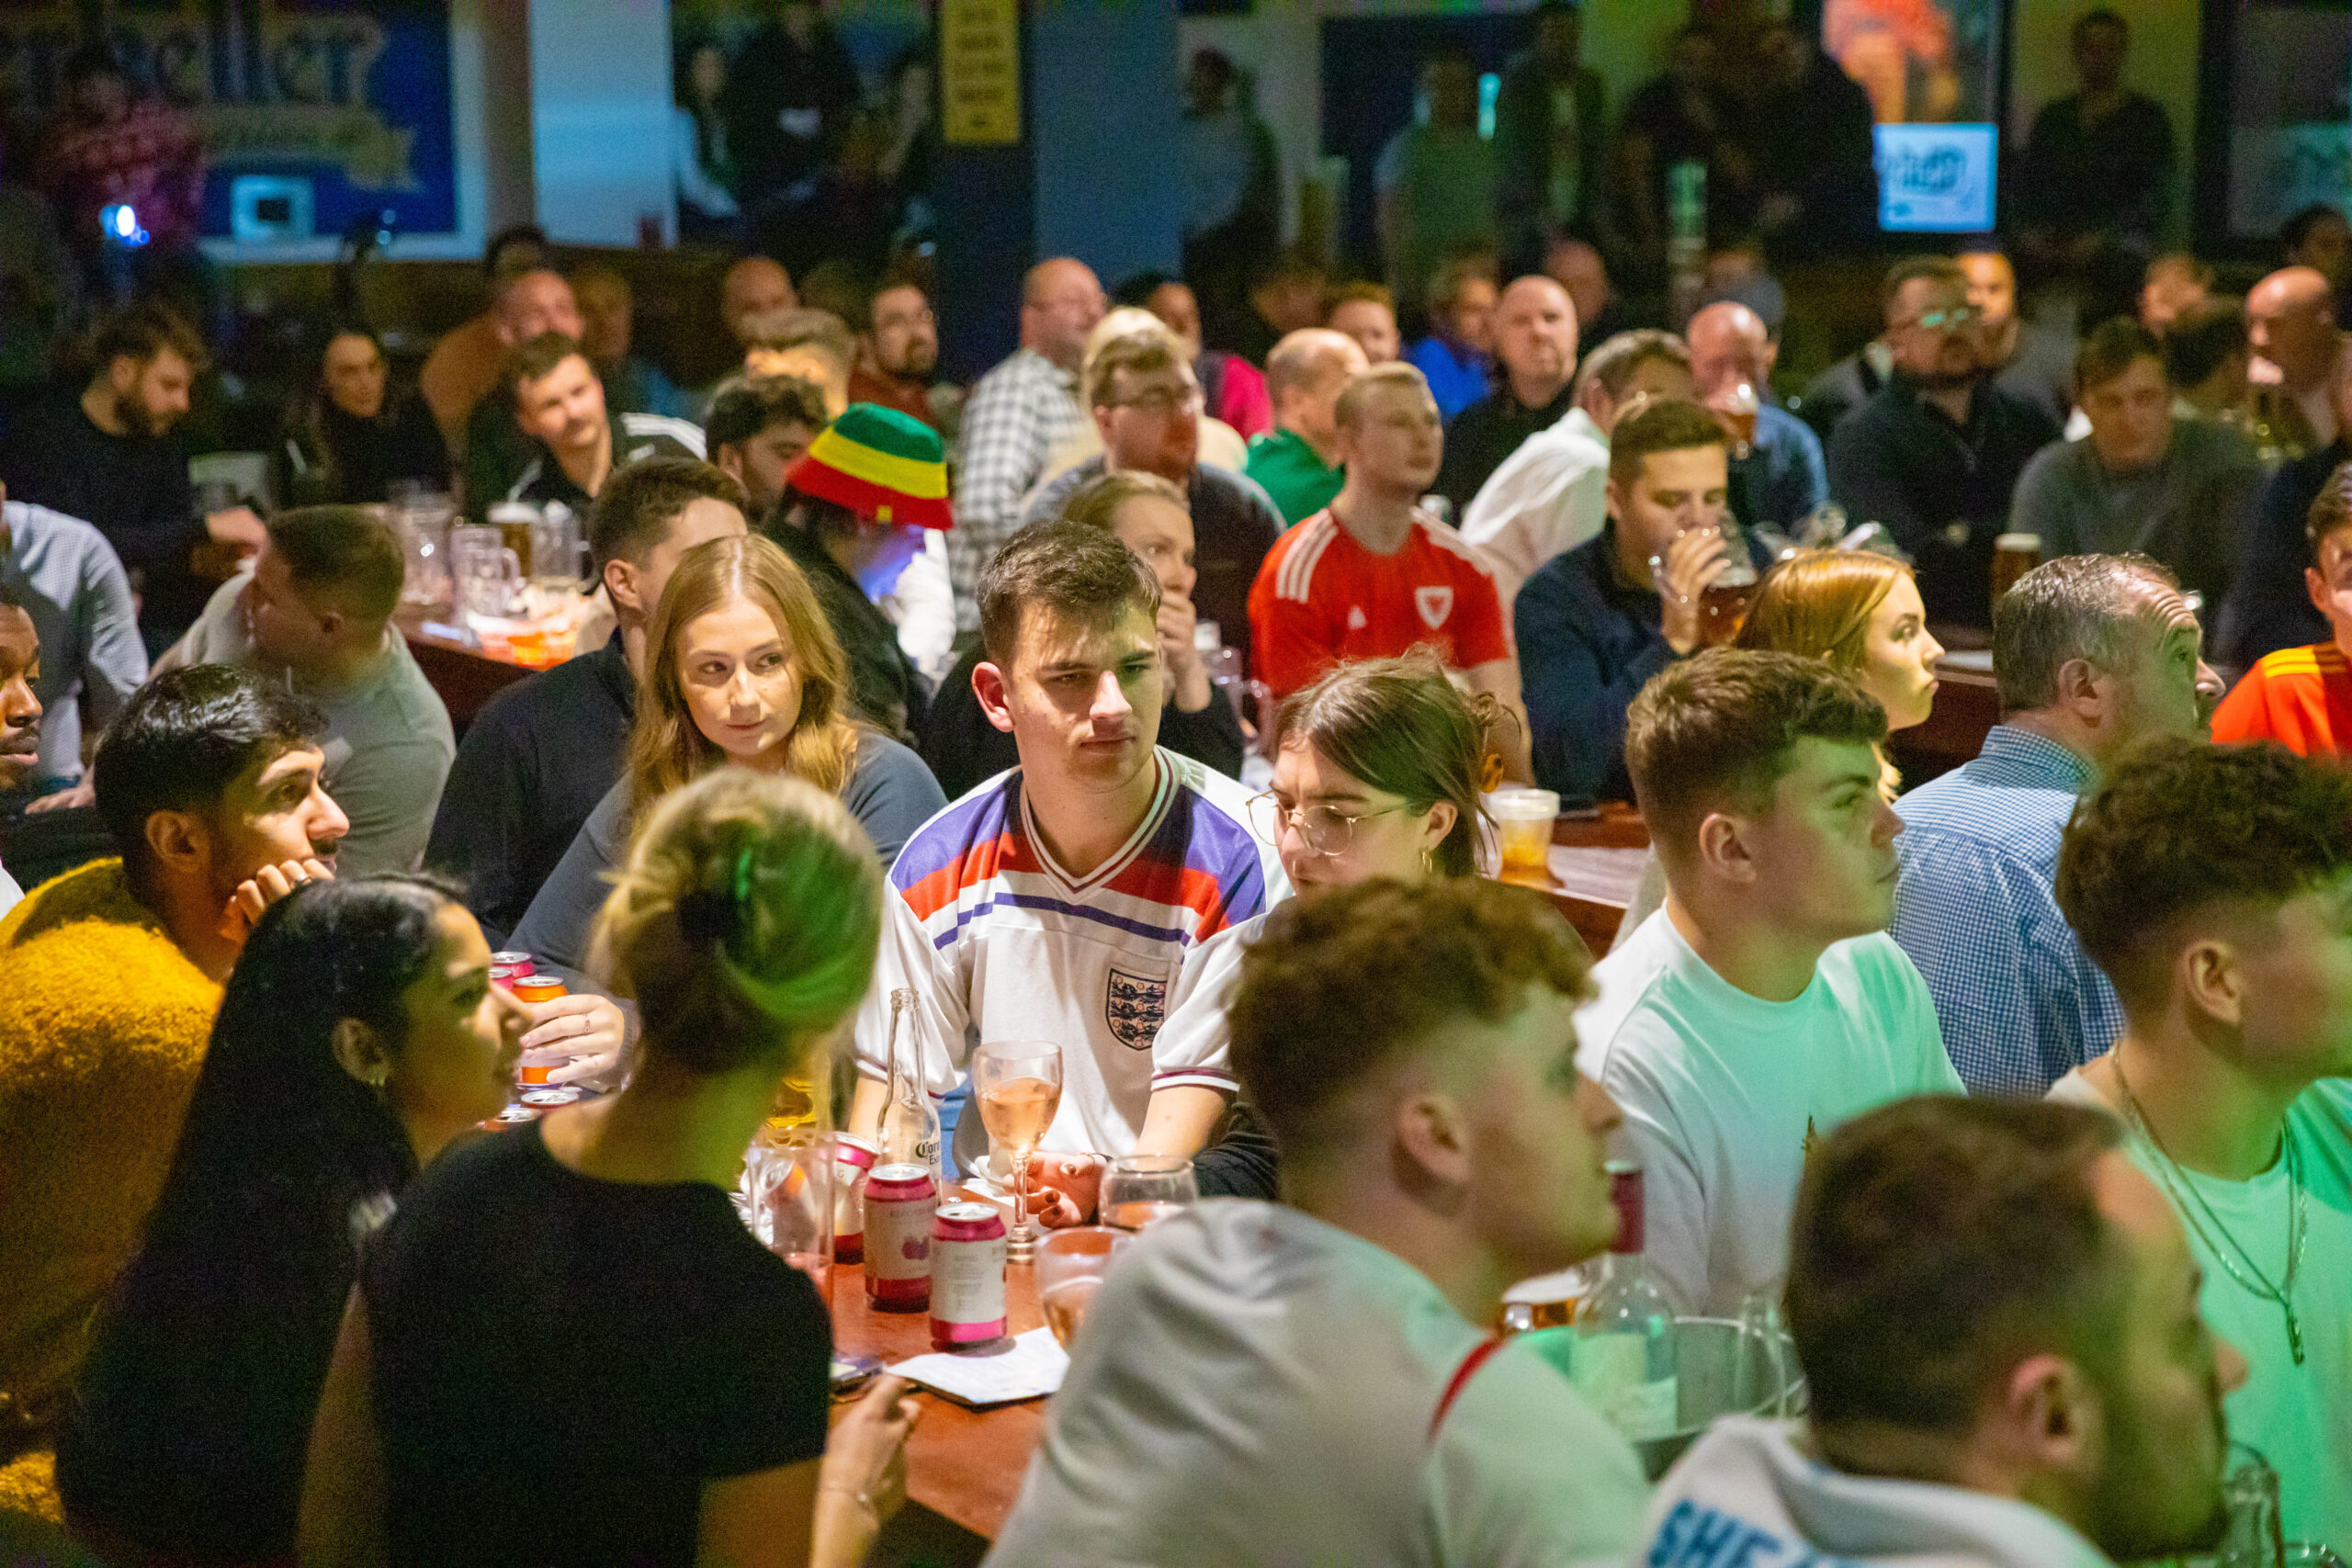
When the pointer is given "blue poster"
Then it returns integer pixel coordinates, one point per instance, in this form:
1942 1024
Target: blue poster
1936 179
352 98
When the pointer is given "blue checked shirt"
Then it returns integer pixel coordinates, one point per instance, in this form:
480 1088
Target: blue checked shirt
2021 1004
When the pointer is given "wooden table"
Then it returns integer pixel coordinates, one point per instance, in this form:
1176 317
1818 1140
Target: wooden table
464 675
965 1465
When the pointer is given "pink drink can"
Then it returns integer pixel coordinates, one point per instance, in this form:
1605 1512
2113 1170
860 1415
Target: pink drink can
505 966
900 1202
852 1157
966 1276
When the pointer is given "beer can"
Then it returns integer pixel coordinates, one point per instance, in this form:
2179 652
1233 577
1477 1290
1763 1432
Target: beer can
537 987
504 966
852 1157
900 1202
966 1276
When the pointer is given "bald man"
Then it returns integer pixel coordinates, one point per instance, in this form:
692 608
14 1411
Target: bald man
1777 472
1535 364
2290 322
1018 413
2023 359
1297 462
2268 606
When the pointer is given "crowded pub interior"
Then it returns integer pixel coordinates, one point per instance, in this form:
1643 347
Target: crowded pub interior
1173 783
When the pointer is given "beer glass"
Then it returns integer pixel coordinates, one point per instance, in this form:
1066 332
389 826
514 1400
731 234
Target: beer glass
2014 555
1070 1266
1018 1085
1722 605
1143 1189
1523 820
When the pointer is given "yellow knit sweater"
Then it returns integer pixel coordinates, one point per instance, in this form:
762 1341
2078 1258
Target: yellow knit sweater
103 1023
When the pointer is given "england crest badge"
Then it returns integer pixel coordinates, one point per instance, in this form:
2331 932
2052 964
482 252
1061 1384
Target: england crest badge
1133 1006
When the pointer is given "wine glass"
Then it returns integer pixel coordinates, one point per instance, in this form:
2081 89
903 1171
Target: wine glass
1070 1266
1142 1189
1019 1085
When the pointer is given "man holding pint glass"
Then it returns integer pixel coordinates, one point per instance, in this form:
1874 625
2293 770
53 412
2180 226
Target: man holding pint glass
1663 579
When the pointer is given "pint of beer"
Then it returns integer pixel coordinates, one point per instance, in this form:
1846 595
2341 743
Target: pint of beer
2014 555
1723 605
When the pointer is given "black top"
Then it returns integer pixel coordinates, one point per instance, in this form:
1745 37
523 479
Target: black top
1242 1160
2110 176
884 688
1589 641
1941 488
2268 607
191 1419
562 1363
1485 433
133 489
964 748
343 459
531 768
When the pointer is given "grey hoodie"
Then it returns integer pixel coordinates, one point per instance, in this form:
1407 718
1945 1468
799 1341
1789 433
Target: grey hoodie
1747 1494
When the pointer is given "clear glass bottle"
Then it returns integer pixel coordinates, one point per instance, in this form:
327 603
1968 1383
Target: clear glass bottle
1624 1359
910 1132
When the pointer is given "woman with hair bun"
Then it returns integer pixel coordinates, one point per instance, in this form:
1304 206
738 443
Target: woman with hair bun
567 1348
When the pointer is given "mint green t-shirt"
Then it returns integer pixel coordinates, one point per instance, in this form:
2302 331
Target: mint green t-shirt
1724 1092
2300 1417
1286 468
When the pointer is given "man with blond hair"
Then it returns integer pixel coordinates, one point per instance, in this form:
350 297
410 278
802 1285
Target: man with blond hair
1372 574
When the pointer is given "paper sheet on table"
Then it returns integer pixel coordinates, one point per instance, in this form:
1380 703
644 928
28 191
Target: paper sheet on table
1030 1369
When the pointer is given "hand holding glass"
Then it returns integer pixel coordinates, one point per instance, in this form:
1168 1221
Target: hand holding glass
1141 1190
1019 1085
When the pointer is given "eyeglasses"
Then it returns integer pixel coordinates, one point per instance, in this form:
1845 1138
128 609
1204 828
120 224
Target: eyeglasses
1946 320
1160 402
1326 830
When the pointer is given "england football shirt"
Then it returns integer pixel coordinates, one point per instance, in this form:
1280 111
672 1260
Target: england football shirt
999 942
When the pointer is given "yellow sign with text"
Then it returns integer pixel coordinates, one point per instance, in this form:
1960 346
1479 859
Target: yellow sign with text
979 71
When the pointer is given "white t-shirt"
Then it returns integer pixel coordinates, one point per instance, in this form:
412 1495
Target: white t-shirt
1255 1386
1194 1043
1546 499
999 942
1724 1092
2300 1417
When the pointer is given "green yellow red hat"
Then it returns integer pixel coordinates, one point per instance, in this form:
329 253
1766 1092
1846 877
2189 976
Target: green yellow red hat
881 464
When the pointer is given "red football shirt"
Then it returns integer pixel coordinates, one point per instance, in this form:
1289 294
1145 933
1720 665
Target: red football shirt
2301 697
1321 597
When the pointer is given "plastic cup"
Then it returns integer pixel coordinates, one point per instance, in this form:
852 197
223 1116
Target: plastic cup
1523 820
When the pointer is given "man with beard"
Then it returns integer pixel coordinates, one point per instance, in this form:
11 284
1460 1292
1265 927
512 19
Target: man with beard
1935 454
898 354
105 457
19 713
1997 1318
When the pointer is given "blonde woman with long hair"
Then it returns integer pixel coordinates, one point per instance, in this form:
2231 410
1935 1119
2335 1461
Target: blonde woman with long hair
572 1311
741 669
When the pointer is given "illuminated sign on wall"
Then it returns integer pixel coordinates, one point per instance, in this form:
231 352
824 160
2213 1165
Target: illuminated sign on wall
1936 179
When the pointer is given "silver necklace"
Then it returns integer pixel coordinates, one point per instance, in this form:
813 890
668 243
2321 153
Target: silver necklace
2176 1180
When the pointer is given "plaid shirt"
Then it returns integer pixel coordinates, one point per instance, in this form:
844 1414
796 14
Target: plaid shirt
2020 1002
1018 413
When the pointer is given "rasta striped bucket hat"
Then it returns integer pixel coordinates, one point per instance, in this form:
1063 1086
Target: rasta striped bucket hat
883 465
